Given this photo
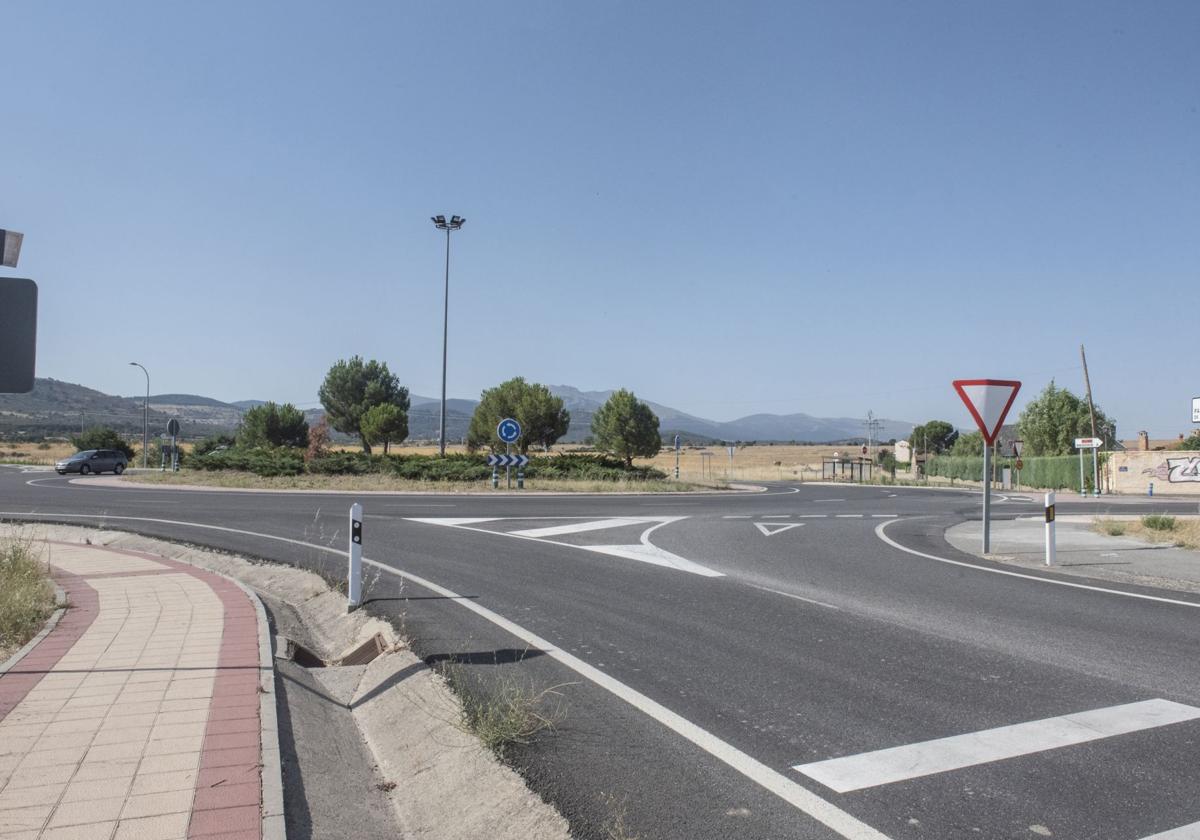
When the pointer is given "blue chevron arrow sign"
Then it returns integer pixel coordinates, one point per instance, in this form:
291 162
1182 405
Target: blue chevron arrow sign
507 460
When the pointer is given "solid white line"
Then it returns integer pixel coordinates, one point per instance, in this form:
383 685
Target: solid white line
883 515
879 532
747 516
578 527
794 597
1184 832
799 797
881 767
829 500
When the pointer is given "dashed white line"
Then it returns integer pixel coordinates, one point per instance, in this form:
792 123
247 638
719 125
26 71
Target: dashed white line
881 767
735 517
813 515
883 515
775 516
849 516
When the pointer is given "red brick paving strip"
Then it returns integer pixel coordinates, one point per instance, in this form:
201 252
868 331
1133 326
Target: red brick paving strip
84 604
228 800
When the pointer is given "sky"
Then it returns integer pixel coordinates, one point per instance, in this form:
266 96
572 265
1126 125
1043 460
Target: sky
729 208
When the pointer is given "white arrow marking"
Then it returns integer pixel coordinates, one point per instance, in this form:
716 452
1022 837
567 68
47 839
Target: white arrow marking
770 529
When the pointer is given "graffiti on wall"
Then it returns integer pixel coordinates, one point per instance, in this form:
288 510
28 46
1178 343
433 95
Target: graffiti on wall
1176 470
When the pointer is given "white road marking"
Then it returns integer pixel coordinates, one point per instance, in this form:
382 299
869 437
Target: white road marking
770 529
775 516
813 516
454 520
1184 832
881 767
804 800
849 516
883 515
829 500
747 516
794 597
644 552
580 527
879 532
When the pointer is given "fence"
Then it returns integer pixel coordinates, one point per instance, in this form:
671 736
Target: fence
1051 472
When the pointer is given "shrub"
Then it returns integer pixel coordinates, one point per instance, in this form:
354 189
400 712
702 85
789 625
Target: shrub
26 597
1159 522
212 443
273 425
102 437
263 461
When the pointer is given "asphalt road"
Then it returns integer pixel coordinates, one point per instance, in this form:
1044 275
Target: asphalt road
717 653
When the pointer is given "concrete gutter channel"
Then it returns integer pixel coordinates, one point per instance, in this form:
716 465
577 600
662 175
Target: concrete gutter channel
365 739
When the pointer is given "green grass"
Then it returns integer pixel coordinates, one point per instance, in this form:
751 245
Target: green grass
26 595
505 711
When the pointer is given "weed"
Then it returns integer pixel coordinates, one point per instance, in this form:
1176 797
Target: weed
26 596
506 712
1159 522
386 787
1113 528
614 827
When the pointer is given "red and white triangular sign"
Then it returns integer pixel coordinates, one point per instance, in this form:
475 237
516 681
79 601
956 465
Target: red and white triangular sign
988 400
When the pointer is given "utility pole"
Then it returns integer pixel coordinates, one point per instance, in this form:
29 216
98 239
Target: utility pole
1088 383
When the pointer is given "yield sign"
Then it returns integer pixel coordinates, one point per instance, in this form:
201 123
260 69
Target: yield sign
770 529
988 400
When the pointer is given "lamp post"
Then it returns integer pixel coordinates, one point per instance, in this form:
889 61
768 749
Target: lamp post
145 416
440 223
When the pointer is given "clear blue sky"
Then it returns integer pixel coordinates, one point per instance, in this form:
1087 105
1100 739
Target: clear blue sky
729 208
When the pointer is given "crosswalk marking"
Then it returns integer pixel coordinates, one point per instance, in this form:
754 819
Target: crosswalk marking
881 767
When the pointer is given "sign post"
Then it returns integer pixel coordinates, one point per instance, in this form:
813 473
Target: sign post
676 457
1050 528
988 400
509 431
173 431
354 572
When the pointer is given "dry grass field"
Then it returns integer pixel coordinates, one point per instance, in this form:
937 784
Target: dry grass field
749 463
34 454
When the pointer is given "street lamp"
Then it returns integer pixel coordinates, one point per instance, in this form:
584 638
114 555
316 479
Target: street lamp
145 416
440 223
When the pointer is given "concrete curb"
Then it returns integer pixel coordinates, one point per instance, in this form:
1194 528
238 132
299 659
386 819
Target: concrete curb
60 599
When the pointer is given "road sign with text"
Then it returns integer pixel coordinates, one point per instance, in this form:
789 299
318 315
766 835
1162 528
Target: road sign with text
1196 409
988 400
1088 443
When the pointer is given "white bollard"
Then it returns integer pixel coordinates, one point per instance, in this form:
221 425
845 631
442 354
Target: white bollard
354 574
1050 529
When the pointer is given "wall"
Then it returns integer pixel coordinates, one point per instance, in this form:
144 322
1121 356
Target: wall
1173 472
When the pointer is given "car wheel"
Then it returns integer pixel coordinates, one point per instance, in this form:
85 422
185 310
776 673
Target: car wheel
119 468
61 472
85 469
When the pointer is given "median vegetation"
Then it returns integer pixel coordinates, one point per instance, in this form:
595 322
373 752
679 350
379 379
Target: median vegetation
26 594
1154 527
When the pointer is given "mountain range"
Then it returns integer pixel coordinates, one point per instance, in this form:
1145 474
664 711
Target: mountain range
58 408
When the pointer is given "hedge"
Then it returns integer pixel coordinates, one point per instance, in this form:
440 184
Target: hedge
271 462
1055 472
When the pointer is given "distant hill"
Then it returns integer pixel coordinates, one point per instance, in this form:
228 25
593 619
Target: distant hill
55 408
59 409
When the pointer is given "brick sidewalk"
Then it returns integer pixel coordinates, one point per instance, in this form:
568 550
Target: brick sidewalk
140 715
